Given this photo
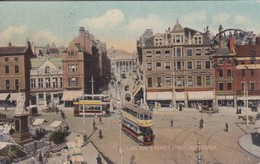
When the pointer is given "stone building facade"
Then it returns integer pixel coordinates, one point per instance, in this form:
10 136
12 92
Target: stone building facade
177 67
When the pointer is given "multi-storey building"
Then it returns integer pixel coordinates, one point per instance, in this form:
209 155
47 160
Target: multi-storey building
15 75
248 73
177 67
46 81
48 50
84 66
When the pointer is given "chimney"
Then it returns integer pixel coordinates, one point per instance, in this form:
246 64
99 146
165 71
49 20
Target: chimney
9 44
231 43
28 43
221 42
81 30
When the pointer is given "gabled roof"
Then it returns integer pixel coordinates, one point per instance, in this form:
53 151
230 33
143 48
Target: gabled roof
37 62
12 50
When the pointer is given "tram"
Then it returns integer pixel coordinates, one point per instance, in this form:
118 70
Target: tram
137 123
91 105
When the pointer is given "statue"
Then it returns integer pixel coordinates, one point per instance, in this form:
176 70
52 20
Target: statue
20 107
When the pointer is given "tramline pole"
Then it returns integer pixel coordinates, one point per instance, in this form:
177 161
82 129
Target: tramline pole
120 128
84 120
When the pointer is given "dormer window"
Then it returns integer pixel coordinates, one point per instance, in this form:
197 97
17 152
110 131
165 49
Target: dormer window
47 69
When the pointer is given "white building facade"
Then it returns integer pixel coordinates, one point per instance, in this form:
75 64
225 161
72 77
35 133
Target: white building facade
46 81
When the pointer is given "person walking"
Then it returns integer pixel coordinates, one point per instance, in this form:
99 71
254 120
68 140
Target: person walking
94 125
99 159
226 127
100 120
171 122
201 123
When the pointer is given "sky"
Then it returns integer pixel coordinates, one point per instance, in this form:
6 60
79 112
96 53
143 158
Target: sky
118 23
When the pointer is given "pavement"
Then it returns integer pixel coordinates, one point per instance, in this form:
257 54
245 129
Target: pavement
246 143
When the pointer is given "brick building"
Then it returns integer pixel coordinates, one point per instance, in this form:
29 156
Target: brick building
15 75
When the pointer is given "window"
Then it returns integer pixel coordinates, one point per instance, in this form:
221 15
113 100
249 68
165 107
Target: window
252 73
16 84
190 81
7 84
73 81
48 83
178 65
148 54
179 81
40 83
189 63
178 51
73 68
61 83
6 69
15 58
158 65
178 38
47 70
199 82
55 82
189 52
207 51
207 64
228 61
198 64
208 81
150 82
167 65
229 86
220 61
158 54
243 85
168 81
33 83
198 52
16 69
6 59
243 72
220 72
252 85
221 86
149 66
159 82
229 73
167 53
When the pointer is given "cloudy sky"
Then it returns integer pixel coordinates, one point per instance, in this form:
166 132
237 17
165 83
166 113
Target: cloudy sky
120 23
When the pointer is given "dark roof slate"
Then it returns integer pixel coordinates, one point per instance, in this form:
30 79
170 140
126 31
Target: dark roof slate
12 50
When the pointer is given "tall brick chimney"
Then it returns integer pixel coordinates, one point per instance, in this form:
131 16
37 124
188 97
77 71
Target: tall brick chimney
231 44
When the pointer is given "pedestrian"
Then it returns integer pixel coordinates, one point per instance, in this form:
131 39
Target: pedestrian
100 120
99 159
40 158
6 107
94 125
201 123
171 122
100 134
226 127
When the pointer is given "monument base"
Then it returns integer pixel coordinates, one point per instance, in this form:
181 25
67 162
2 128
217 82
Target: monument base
22 138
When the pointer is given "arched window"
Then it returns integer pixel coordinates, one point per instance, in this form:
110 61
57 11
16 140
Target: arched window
73 81
47 69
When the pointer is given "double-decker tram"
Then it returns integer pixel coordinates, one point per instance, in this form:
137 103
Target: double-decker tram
137 123
91 105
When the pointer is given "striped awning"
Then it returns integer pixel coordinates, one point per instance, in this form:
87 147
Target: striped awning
13 96
200 95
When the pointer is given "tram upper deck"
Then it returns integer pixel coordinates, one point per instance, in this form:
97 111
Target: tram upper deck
136 114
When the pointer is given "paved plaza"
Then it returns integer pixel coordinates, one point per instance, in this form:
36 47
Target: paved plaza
175 144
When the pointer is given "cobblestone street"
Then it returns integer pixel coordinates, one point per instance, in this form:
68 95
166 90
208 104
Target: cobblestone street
175 144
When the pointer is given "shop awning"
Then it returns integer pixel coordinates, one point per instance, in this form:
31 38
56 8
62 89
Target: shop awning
55 124
200 95
38 121
159 95
227 97
70 95
180 96
249 98
3 96
13 96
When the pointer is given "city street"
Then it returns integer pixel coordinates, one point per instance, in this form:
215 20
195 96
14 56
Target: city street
175 144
